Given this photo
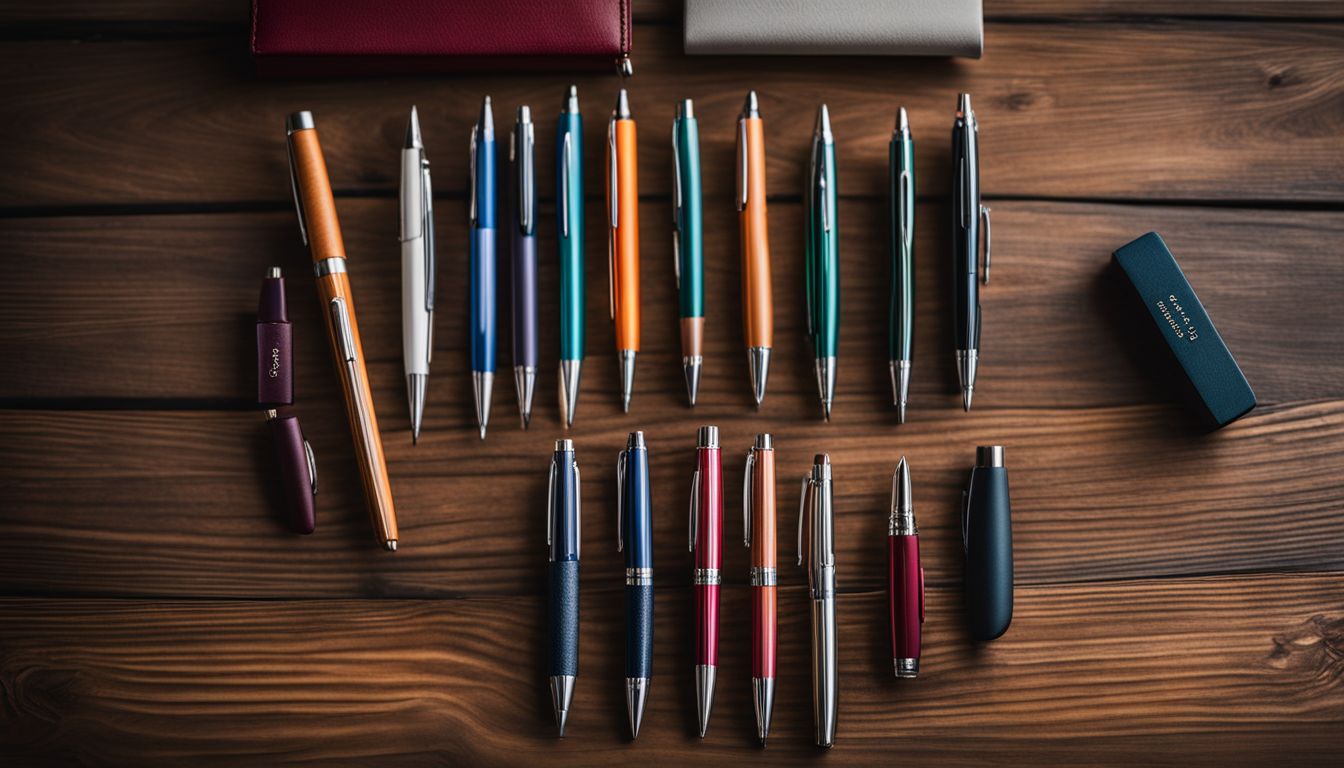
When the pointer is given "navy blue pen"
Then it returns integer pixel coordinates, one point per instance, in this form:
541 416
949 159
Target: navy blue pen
563 518
633 524
481 266
522 185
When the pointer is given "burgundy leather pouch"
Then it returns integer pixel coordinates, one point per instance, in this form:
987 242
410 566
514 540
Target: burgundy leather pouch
328 37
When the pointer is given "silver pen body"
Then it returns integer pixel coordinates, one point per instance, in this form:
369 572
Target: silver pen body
816 553
416 233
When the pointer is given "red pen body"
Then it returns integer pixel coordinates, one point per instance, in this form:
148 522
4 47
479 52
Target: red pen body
706 543
905 577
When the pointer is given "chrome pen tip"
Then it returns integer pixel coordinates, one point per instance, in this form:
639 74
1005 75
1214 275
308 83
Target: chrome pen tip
902 121
705 675
299 121
966 395
413 130
691 367
964 104
571 103
900 412
826 410
482 431
758 365
487 117
752 106
823 121
560 718
524 114
391 545
685 109
622 105
902 498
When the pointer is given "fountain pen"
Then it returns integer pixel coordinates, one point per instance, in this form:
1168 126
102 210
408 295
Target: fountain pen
634 537
905 577
966 215
563 522
816 552
417 270
623 240
481 263
758 309
822 260
688 261
706 544
758 535
522 186
569 242
901 313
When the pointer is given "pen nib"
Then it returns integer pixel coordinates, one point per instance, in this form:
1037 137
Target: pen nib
966 395
966 364
570 371
636 692
483 384
900 387
704 694
758 364
413 131
415 395
826 383
627 377
691 366
562 695
525 380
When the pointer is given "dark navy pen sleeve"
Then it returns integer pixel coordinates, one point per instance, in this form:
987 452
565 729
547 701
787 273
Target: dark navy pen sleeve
564 610
639 631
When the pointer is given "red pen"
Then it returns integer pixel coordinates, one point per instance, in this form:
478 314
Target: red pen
905 578
758 534
706 541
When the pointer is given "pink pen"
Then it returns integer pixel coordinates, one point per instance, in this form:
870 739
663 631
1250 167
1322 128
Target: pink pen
706 542
905 578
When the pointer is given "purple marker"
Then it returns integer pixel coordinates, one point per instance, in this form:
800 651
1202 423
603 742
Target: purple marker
275 389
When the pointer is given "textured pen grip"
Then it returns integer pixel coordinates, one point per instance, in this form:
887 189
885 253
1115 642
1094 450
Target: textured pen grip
564 575
639 630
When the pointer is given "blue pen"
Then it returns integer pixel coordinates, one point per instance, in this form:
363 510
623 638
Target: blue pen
633 524
569 242
481 267
562 536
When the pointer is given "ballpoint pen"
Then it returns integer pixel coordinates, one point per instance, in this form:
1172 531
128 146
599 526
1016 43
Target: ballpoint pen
275 391
634 537
321 230
522 186
816 552
563 522
569 237
966 215
417 270
758 309
706 543
623 239
687 243
758 534
481 266
905 577
823 260
902 312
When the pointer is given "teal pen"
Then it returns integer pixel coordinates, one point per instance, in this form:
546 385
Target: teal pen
569 238
822 259
902 311
688 259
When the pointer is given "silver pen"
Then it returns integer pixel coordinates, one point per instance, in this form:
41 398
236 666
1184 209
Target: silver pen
417 270
816 553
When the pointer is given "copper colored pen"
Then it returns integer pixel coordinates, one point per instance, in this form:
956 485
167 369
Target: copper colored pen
758 534
758 311
322 232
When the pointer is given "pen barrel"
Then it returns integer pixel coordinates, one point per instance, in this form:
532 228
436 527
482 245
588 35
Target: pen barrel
275 364
902 304
708 553
564 618
334 290
763 631
524 299
758 312
823 260
569 193
292 458
481 279
690 227
625 239
965 237
321 224
989 553
824 684
416 330
639 630
707 624
905 595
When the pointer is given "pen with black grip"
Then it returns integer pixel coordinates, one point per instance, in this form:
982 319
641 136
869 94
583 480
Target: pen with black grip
633 522
563 521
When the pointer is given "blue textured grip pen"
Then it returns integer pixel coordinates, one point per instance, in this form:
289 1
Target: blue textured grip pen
563 518
481 265
633 510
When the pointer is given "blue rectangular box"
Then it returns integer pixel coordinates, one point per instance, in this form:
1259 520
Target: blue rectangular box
1217 386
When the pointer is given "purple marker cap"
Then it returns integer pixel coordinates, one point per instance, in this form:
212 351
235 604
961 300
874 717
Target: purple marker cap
298 471
275 363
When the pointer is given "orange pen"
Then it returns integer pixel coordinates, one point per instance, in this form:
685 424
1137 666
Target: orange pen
758 533
623 239
758 309
321 231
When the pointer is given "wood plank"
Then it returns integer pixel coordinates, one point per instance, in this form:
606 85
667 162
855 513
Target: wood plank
159 307
92 124
161 503
1187 672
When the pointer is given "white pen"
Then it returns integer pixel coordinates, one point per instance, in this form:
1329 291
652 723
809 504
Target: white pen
417 270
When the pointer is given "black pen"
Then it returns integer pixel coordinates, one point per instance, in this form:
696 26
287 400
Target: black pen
967 212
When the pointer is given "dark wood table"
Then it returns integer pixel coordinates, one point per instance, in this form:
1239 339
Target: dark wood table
1180 596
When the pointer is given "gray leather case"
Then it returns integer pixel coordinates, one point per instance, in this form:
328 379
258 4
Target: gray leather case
836 27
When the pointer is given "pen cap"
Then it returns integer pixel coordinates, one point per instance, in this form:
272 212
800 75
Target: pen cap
987 537
298 472
275 364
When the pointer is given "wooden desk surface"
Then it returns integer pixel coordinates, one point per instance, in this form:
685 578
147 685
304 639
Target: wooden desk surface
1180 597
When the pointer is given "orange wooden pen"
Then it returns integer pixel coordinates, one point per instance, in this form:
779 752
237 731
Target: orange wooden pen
758 533
758 309
623 239
321 231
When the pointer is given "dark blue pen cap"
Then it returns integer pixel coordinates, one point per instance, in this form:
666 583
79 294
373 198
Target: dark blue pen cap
1213 382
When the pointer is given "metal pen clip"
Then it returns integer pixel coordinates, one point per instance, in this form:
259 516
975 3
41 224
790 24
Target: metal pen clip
550 504
613 205
526 175
748 480
966 512
312 465
984 213
340 322
612 210
905 206
693 524
677 214
427 227
821 191
620 500
294 187
743 177
472 212
578 511
567 159
803 513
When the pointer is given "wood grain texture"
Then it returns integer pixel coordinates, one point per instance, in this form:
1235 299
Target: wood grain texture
1189 672
1097 494
95 129
177 322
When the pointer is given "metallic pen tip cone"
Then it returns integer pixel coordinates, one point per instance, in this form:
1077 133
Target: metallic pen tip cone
560 718
825 369
685 109
413 130
627 377
483 383
902 120
525 383
823 121
900 386
902 498
704 694
964 104
763 699
562 695
570 371
966 395
758 365
967 360
826 411
623 105
691 367
900 413
751 107
487 117
391 545
636 693
482 431
415 395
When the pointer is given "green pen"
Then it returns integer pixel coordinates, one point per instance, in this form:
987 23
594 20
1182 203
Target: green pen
902 312
687 243
822 263
569 237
